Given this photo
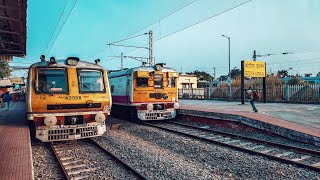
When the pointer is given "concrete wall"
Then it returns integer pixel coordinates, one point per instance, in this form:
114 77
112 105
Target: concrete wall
187 80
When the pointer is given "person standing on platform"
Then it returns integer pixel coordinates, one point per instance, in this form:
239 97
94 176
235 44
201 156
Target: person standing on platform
253 97
6 99
1 101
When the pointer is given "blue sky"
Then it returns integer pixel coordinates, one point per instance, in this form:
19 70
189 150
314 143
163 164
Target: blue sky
271 26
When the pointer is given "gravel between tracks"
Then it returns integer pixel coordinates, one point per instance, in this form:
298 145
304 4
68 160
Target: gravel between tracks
45 166
163 155
244 130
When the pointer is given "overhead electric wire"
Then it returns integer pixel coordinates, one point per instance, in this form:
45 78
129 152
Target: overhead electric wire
213 16
63 25
56 26
234 7
154 23
164 17
128 38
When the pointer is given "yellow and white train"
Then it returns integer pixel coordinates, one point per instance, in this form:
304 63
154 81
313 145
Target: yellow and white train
67 99
145 92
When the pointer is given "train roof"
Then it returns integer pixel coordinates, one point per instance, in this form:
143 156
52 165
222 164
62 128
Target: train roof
140 68
63 63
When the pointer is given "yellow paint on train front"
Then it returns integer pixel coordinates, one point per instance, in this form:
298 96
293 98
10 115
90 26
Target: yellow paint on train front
40 101
142 94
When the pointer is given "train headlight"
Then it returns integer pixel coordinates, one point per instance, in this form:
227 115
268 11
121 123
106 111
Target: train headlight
173 99
150 107
158 67
100 118
50 120
176 105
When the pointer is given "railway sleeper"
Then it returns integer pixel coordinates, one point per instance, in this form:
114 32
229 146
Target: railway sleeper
301 158
283 154
80 171
71 162
316 164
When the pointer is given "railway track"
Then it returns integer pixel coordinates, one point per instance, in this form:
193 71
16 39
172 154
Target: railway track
301 157
79 167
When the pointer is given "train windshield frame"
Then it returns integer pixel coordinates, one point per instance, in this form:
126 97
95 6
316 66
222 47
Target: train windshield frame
51 80
91 81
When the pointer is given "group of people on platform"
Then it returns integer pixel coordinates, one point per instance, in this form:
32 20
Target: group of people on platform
5 99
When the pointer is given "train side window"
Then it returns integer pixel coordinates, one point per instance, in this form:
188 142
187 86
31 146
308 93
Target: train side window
142 82
112 88
172 82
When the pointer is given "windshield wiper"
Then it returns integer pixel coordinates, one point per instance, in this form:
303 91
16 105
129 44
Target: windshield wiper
87 88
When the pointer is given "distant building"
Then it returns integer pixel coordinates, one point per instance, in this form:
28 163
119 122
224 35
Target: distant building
213 83
187 81
310 80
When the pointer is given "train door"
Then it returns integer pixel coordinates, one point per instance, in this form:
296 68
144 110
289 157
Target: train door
129 89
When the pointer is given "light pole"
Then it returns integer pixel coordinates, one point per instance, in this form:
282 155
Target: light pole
190 93
229 89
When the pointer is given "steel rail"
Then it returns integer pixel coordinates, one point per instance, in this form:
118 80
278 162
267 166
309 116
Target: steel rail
235 147
126 165
303 150
60 163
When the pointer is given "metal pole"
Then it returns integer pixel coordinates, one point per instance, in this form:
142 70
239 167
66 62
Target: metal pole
229 71
121 61
150 48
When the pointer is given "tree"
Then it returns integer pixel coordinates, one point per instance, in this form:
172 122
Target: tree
223 78
294 81
282 73
318 74
235 72
203 75
4 69
307 75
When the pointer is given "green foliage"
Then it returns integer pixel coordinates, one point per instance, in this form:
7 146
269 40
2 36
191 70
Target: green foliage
282 73
4 69
235 73
295 81
318 74
203 75
223 78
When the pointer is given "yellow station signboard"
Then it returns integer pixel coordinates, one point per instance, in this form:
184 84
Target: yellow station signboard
254 68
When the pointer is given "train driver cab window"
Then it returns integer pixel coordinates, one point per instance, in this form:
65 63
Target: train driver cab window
142 82
158 81
91 81
52 80
172 82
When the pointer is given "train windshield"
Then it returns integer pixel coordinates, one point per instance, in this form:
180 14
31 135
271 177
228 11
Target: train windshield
91 81
52 80
172 82
158 81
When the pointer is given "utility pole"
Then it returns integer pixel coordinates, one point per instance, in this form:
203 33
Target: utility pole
121 61
150 48
214 72
254 55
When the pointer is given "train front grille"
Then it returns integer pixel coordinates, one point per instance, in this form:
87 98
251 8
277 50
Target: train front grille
63 134
155 115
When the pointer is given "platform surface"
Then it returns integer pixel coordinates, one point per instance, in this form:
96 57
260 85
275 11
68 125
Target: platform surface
15 147
298 117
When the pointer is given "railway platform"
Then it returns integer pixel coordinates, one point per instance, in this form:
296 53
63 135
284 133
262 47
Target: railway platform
295 121
15 145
